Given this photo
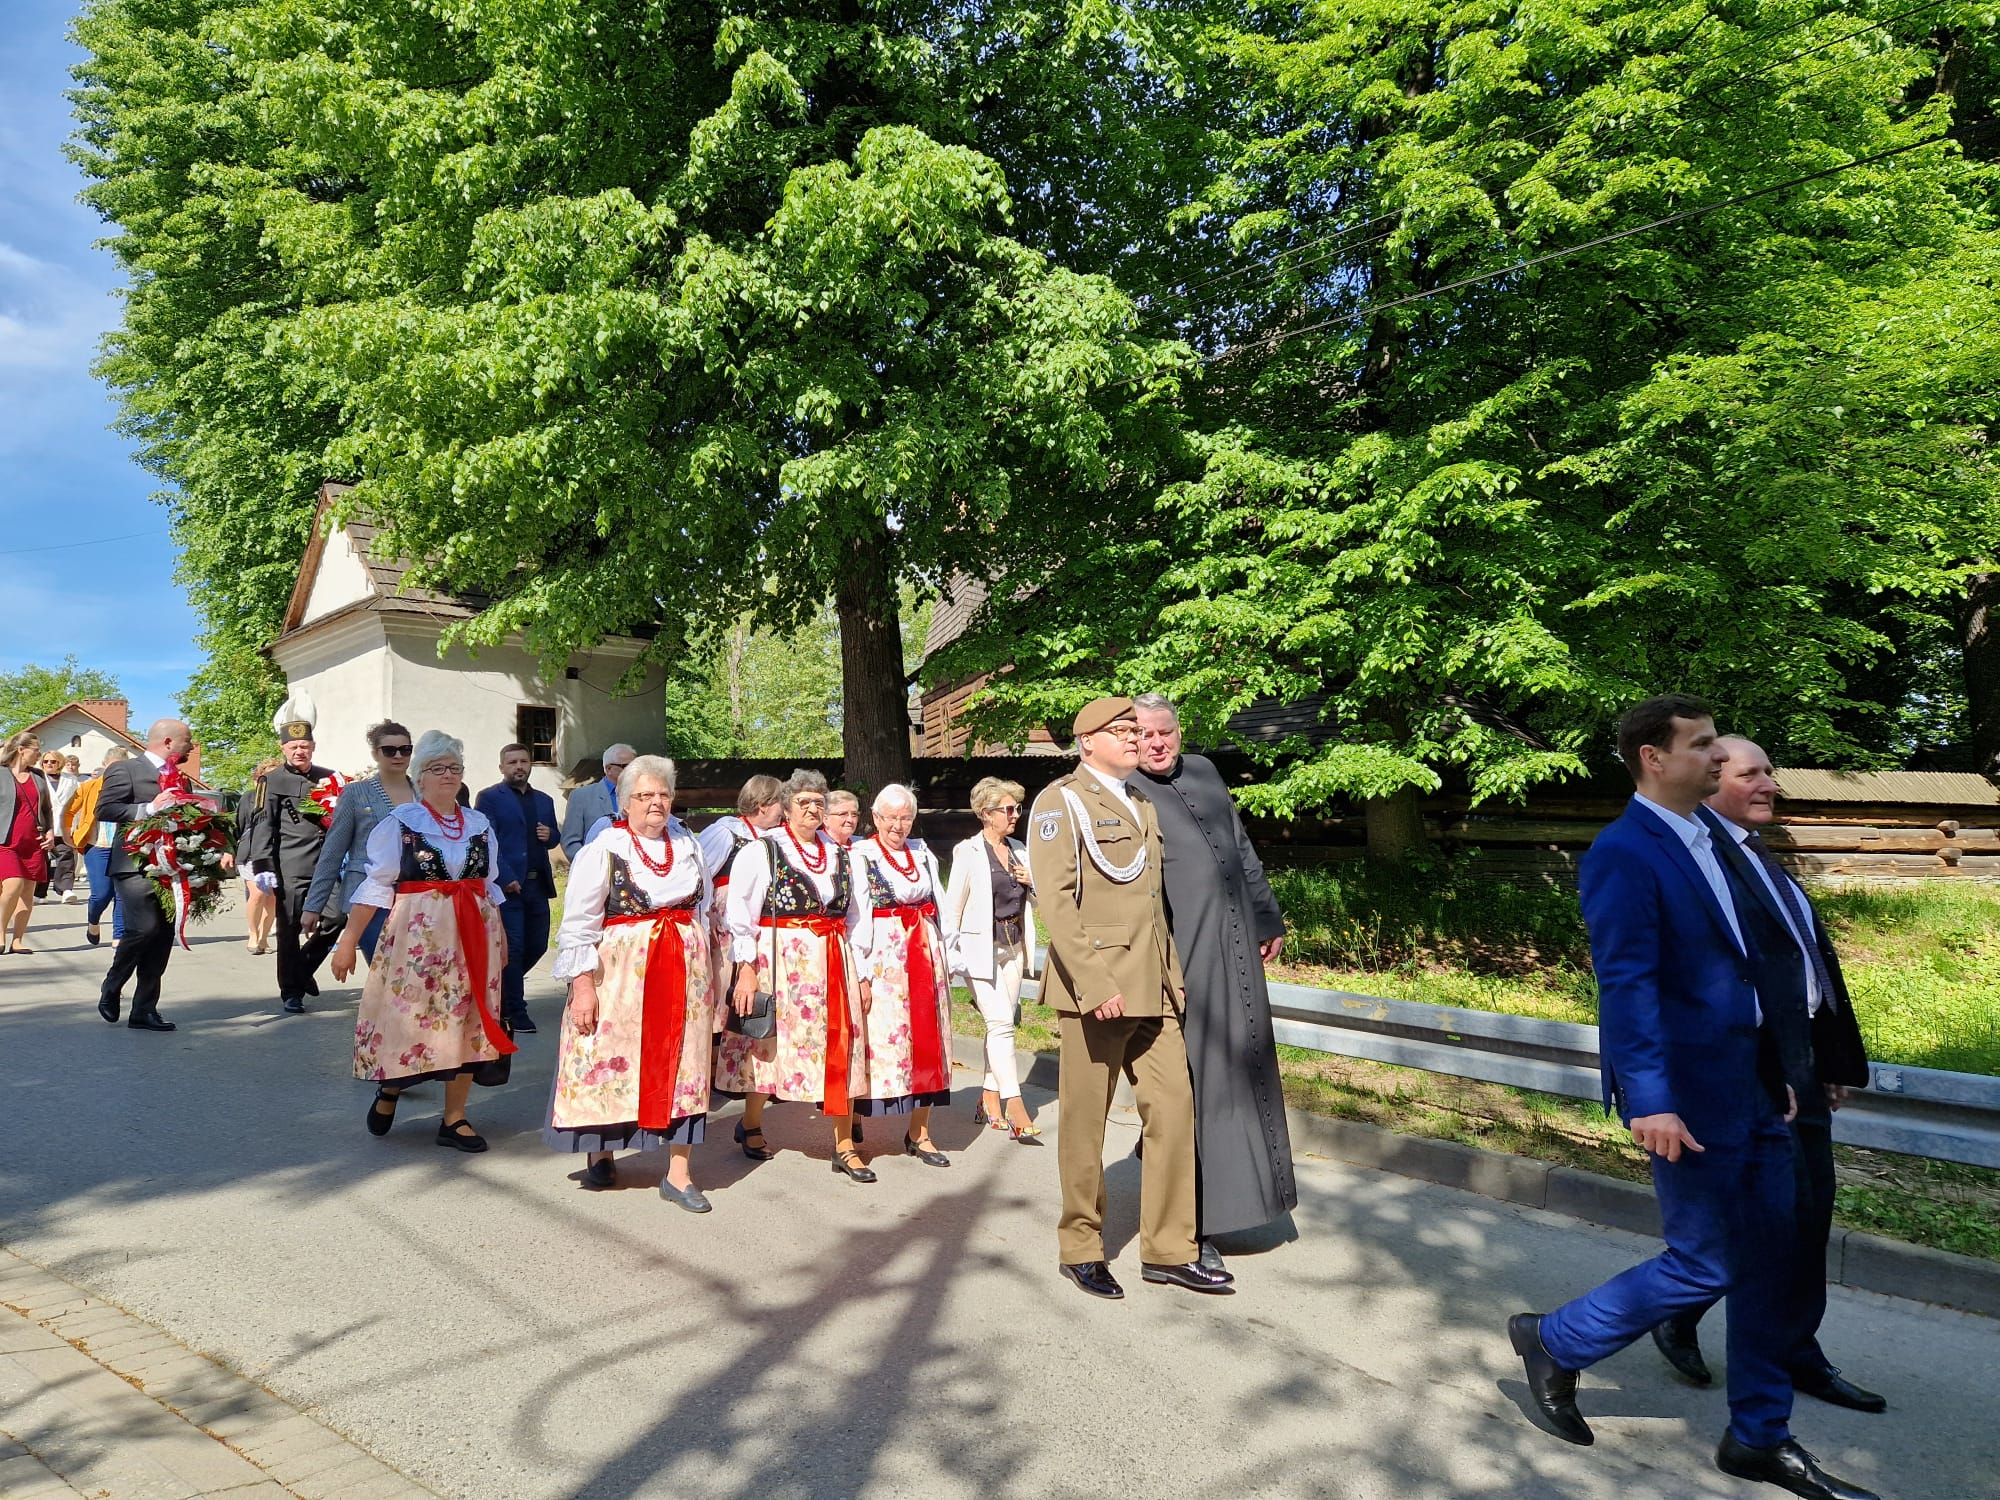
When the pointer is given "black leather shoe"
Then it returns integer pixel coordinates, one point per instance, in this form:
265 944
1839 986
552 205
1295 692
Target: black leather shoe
107 1007
1680 1346
294 1005
758 1152
379 1123
1789 1467
151 1020
600 1175
1095 1277
1829 1385
1553 1387
460 1135
848 1164
1194 1276
92 936
1211 1258
930 1156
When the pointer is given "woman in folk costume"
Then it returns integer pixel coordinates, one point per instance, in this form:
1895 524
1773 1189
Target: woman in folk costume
430 1008
902 954
760 807
789 898
632 1064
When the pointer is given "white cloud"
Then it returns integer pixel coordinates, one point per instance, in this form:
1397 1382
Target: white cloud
51 318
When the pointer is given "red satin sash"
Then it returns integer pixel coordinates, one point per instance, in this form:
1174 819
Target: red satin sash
465 896
663 1013
930 1070
839 1023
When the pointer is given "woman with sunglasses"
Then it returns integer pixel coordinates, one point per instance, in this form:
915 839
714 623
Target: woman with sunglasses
431 1006
343 858
986 904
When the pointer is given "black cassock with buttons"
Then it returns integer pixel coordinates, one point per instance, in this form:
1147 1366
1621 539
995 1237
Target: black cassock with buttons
1221 909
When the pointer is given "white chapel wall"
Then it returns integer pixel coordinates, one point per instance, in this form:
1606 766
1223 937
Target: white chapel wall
345 669
341 579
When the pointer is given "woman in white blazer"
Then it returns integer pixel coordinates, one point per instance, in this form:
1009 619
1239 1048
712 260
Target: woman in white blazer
988 903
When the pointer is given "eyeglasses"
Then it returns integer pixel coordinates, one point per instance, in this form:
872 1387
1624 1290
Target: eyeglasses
651 797
616 766
808 801
399 751
443 768
1129 733
1007 809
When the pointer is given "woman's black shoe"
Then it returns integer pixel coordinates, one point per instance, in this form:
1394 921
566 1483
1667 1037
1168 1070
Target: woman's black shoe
930 1156
379 1123
848 1164
460 1136
600 1175
758 1152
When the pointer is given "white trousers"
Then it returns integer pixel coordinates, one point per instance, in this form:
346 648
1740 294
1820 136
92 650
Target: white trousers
999 1002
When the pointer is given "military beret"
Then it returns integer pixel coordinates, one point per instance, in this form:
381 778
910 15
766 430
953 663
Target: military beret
1100 713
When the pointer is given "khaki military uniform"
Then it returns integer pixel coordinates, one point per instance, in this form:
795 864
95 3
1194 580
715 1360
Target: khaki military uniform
1108 936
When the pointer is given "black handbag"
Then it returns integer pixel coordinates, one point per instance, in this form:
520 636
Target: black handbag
491 1075
760 1023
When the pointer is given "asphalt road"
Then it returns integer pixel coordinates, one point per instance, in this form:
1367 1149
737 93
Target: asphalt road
490 1329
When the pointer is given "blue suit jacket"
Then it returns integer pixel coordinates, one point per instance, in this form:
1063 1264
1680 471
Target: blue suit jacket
523 857
1676 1002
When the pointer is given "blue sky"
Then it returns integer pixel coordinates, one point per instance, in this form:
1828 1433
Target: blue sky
65 477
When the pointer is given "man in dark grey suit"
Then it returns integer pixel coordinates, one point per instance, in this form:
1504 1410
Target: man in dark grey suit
134 789
1820 1049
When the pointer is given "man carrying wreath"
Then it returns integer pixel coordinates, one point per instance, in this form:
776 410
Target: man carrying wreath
132 790
283 832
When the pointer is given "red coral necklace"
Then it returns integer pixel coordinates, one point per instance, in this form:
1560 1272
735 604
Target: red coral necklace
638 848
453 828
805 859
890 855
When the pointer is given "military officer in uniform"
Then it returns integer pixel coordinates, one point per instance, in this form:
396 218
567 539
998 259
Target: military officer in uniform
284 844
1115 981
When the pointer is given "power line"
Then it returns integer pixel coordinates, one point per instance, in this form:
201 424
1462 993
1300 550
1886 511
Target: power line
1685 216
1331 238
103 541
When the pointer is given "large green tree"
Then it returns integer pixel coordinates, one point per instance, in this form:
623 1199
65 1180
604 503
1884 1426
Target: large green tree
34 692
621 314
1474 471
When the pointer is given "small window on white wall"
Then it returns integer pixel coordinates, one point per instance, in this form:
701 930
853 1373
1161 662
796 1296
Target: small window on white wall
536 728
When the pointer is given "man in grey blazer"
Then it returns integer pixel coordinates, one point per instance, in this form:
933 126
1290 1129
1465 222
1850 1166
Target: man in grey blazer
598 799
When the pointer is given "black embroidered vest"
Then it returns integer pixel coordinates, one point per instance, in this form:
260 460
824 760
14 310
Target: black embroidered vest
424 862
627 899
793 894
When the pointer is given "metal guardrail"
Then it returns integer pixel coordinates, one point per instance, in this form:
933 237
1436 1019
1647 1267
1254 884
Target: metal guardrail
1915 1111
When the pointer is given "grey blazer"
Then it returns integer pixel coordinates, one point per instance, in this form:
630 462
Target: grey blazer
9 802
343 858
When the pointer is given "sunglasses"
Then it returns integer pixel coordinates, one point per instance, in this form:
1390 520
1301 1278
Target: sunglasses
1007 809
399 751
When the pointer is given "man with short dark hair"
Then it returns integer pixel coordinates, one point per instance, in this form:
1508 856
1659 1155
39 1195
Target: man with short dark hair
524 830
1687 1063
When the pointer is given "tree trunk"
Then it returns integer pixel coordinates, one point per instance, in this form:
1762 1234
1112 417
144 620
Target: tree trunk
1395 827
875 729
1982 670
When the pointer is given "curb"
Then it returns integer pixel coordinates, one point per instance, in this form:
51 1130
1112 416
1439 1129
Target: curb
1854 1258
171 1416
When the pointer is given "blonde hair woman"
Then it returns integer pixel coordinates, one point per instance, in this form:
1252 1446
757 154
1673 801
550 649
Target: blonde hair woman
989 905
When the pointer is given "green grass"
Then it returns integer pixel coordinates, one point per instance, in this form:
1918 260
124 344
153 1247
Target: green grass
1922 962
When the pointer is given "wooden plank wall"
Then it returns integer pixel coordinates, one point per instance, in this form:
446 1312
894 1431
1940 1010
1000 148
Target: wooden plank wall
1540 840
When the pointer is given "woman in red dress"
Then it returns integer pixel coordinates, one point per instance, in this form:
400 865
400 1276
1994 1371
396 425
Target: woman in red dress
27 824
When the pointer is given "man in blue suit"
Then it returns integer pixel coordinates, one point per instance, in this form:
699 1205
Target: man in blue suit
1800 984
1690 1070
524 830
594 800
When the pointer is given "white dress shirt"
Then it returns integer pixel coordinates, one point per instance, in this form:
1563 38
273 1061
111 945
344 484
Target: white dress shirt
1742 837
1114 786
1701 844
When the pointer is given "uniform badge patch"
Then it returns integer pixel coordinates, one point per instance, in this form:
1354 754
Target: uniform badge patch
1046 824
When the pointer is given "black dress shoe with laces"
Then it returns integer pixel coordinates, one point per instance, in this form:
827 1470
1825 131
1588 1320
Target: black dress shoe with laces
1194 1276
1553 1387
1680 1346
150 1020
294 1005
107 1007
1095 1277
1789 1467
1829 1385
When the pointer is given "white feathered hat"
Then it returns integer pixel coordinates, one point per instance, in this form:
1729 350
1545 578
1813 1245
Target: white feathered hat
295 718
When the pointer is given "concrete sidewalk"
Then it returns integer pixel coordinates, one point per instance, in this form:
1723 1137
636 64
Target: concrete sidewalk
95 1402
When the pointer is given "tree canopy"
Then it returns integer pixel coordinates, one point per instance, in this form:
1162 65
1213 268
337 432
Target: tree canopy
1461 371
34 692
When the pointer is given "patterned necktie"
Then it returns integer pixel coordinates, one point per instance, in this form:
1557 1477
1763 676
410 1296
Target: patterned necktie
1794 902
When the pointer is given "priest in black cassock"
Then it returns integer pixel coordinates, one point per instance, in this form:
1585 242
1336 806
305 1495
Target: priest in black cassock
1226 924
